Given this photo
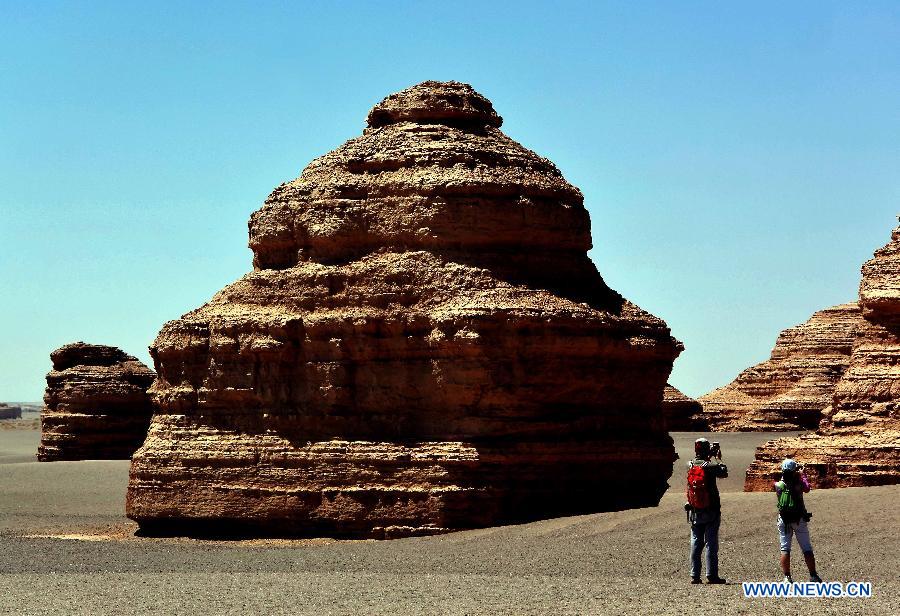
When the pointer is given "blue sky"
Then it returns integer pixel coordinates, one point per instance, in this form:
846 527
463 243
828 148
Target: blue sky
739 163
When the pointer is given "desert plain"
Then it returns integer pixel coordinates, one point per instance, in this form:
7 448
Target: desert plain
66 547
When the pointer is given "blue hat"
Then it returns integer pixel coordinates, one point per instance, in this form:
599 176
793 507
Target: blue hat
789 465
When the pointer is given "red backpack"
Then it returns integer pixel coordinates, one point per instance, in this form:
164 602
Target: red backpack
697 490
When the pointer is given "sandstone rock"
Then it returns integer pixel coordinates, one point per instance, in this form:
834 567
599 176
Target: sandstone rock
423 346
96 404
858 442
879 290
10 412
790 390
681 412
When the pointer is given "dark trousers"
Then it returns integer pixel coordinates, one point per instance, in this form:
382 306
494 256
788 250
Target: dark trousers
705 532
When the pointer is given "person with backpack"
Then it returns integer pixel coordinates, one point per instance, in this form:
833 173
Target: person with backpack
704 509
793 518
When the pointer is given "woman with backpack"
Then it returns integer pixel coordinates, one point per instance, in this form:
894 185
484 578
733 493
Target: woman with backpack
793 518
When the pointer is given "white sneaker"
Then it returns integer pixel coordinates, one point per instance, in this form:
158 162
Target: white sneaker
787 580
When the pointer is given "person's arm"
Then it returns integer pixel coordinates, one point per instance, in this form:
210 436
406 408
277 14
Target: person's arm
804 483
721 470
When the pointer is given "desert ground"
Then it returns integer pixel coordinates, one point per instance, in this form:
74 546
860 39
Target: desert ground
67 548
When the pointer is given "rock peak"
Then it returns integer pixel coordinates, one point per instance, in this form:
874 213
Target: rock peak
85 354
879 290
436 102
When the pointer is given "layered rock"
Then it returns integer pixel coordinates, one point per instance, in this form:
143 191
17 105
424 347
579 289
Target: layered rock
790 390
681 412
423 346
10 412
96 404
858 441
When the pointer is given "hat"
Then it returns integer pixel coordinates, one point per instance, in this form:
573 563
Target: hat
701 445
789 465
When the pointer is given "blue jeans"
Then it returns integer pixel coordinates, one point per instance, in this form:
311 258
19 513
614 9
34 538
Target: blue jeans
705 532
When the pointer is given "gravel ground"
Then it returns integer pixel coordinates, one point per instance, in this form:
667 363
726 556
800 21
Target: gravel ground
66 548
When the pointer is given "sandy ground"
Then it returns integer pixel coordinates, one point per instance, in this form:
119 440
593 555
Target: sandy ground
66 548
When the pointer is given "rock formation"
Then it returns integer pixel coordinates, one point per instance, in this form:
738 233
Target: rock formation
96 404
681 413
10 412
423 346
790 390
858 442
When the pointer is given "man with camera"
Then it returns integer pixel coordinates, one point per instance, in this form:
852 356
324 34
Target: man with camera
704 508
793 518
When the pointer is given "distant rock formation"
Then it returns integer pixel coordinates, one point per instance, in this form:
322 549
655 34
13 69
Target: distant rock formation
858 442
790 390
681 412
96 404
10 412
423 346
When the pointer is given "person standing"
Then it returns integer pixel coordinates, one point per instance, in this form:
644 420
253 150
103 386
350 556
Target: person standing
704 509
793 518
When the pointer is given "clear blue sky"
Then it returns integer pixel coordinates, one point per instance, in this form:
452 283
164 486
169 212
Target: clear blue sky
739 163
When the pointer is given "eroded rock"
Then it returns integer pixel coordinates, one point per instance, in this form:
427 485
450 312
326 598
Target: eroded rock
96 404
682 413
790 390
423 346
10 412
858 441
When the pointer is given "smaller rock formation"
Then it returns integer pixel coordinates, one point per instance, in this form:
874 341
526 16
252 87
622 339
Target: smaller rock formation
790 390
10 412
858 442
96 404
682 413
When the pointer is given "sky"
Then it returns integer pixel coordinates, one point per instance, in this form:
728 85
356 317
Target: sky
739 162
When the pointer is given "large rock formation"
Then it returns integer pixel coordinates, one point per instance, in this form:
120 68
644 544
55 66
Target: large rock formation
96 404
681 412
790 390
10 412
858 442
423 346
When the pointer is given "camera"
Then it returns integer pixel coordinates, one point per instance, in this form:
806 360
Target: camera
716 450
